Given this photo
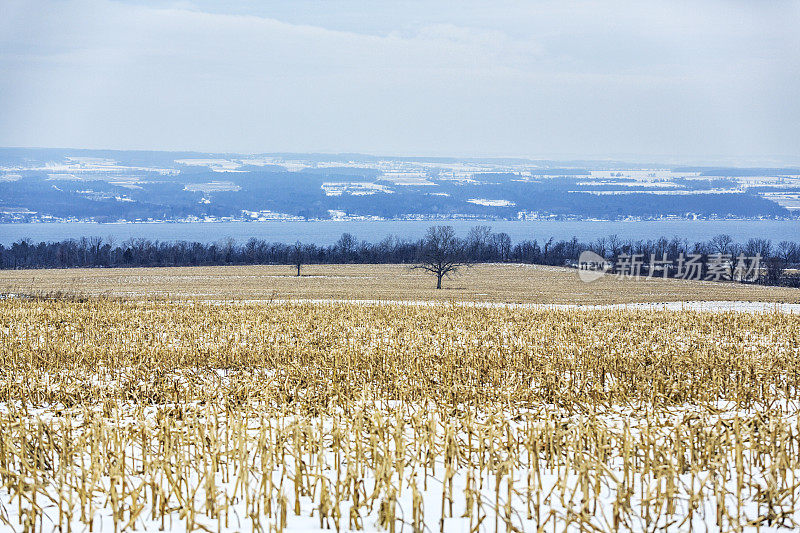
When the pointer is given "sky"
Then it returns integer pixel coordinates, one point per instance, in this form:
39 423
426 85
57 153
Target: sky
684 82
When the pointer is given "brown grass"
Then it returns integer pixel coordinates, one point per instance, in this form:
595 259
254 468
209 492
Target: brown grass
483 283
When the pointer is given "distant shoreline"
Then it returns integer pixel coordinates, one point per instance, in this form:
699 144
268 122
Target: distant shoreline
228 220
328 231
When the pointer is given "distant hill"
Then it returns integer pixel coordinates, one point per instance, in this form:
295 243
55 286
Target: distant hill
111 185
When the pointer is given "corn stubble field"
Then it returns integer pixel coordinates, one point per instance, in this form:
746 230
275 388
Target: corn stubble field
162 415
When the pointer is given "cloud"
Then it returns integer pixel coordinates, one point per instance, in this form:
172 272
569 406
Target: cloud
463 78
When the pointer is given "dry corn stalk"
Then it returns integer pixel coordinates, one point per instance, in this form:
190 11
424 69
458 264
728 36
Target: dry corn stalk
130 415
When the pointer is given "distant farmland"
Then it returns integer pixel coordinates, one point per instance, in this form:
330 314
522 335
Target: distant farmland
480 283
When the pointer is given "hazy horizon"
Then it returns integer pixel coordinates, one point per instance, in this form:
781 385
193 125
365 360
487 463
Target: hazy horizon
643 160
662 82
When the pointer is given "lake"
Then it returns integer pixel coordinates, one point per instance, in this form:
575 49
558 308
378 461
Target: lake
327 232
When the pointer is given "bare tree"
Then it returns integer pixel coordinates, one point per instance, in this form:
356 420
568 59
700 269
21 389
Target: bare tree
775 267
722 243
95 243
754 247
228 246
613 245
346 246
502 243
787 251
600 247
441 253
478 241
297 256
546 250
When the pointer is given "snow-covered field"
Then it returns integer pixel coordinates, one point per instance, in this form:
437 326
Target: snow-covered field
376 416
398 467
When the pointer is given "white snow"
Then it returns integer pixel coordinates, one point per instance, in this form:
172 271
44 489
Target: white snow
550 495
354 188
212 186
491 203
408 179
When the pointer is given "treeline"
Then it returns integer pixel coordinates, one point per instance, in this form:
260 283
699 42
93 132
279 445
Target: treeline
481 245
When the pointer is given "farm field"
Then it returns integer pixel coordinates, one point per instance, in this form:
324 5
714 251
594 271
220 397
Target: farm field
125 414
512 283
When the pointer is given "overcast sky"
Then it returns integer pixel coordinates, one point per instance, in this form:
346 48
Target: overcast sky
680 81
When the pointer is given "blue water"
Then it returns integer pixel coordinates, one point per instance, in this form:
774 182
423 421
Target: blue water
327 232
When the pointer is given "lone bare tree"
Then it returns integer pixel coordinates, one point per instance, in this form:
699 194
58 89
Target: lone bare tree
441 253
